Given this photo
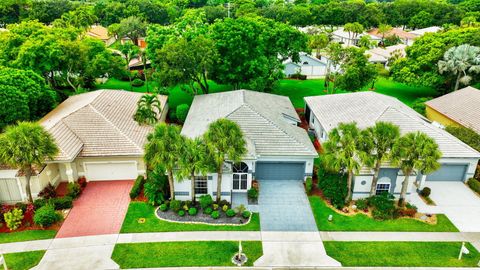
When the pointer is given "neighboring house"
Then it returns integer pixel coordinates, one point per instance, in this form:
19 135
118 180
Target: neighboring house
100 32
97 138
308 65
346 38
324 113
459 108
383 55
407 38
277 149
140 43
137 64
423 31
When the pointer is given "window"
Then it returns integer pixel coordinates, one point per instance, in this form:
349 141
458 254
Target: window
201 185
381 188
240 175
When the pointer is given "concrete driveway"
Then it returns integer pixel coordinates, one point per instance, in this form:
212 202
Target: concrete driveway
100 209
457 201
284 206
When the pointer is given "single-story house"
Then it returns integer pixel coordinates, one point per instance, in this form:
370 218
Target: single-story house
97 138
309 65
346 38
383 55
407 38
277 148
100 32
423 31
140 43
458 108
324 113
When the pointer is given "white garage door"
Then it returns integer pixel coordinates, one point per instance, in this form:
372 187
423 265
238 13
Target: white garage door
111 171
9 190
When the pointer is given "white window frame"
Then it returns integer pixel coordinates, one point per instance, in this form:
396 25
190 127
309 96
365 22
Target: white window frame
383 188
200 179
242 177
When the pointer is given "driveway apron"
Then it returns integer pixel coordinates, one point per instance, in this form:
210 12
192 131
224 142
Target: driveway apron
284 206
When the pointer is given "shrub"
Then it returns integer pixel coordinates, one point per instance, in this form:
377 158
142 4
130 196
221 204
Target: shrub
384 206
172 116
474 184
426 191
205 201
309 185
137 187
407 212
39 203
207 210
82 181
163 207
13 219
155 187
74 190
411 206
230 213
240 209
137 83
246 214
252 193
361 204
223 202
182 112
181 213
225 208
215 214
298 76
215 206
175 205
188 204
61 203
192 211
22 206
48 192
46 216
333 186
419 105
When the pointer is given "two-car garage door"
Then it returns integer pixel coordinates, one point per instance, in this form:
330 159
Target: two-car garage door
280 170
102 171
449 172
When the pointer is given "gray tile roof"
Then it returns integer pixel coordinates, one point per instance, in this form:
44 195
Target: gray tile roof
366 108
462 106
98 123
265 119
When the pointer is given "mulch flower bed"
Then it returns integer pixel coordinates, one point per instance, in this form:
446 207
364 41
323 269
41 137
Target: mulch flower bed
202 218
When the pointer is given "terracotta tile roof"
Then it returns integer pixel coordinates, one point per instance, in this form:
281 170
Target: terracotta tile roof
98 123
98 31
461 106
395 31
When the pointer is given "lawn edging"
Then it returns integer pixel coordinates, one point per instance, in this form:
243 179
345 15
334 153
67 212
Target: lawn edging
202 223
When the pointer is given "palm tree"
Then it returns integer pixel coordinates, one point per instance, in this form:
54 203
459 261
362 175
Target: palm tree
24 146
193 161
129 51
376 142
461 61
415 151
142 54
342 152
353 29
384 29
163 150
148 109
225 141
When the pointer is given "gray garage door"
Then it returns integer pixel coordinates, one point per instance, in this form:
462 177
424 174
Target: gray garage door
448 173
280 170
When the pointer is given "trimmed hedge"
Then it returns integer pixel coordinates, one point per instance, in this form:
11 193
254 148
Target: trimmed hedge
46 216
474 184
137 187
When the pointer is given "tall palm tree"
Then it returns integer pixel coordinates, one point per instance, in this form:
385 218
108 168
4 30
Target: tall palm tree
24 146
461 61
193 161
342 152
415 151
225 141
163 150
142 54
376 142
129 51
148 109
353 29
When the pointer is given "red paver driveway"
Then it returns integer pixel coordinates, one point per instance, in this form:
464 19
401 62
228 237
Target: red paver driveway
100 209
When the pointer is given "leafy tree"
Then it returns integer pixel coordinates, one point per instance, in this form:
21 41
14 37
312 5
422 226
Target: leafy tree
415 151
384 29
25 146
194 161
82 18
353 29
421 20
13 106
148 110
377 141
131 27
342 153
336 55
461 61
225 141
47 11
357 72
366 42
163 150
318 42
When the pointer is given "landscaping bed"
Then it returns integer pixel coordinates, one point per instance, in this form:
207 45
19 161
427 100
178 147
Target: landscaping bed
202 218
23 260
401 254
183 254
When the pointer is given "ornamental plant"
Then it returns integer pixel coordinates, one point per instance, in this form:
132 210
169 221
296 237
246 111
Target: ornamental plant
13 218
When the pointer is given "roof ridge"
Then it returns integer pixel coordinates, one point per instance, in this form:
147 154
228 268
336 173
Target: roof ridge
273 123
115 127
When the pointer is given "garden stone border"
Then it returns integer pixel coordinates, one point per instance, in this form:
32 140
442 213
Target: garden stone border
201 223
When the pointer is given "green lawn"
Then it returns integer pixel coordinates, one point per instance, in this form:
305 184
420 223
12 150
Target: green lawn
364 223
26 236
402 254
23 260
138 210
183 254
